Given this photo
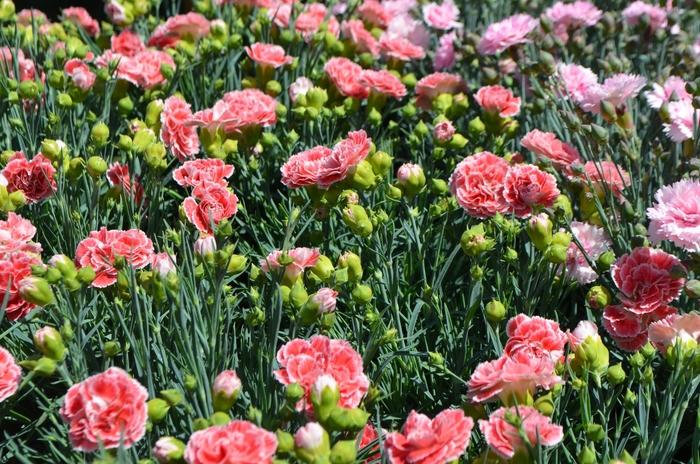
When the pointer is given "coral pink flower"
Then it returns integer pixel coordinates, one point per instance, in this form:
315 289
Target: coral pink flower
209 204
303 361
309 21
636 10
675 327
675 215
34 178
302 169
191 26
369 438
27 68
226 384
10 375
354 30
445 57
546 145
79 72
16 235
175 133
595 242
409 28
537 335
302 258
568 16
444 130
80 17
374 13
432 85
505 439
14 268
142 69
194 172
26 16
511 376
383 82
119 176
346 77
237 111
268 55
107 410
400 48
238 442
504 34
430 441
477 184
616 89
682 117
100 249
576 80
646 279
127 43
499 100
606 175
443 16
527 186
661 94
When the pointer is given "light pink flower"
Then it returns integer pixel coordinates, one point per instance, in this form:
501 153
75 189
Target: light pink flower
504 34
364 41
635 10
204 245
176 134
192 26
660 94
477 184
569 16
629 329
118 176
80 17
409 28
383 82
127 43
675 327
325 298
14 268
374 13
10 375
310 436
209 204
616 89
576 80
80 74
400 48
35 178
163 264
683 116
432 85
445 57
226 384
535 335
441 16
606 175
594 242
505 439
675 215
194 172
302 258
346 77
16 235
299 87
444 130
238 110
583 331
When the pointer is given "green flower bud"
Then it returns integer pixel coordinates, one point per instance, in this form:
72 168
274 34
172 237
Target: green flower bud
545 404
595 432
285 442
692 289
155 156
598 297
442 103
29 89
476 272
50 343
561 238
43 366
220 418
510 255
556 254
438 187
353 264
99 134
347 419
630 399
421 130
36 291
605 261
539 229
53 149
363 176
344 452
474 241
393 192
495 311
169 450
225 390
236 264
125 106
323 269
457 142
476 127
616 374
362 294
64 100
86 275
298 295
312 444
7 10
587 456
273 88
96 166
562 208
355 217
190 382
157 409
411 178
627 458
172 396
111 349
200 423
293 393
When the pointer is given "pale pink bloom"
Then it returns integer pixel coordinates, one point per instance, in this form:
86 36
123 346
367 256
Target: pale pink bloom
299 87
577 80
116 12
616 89
269 55
535 335
80 17
432 85
346 77
191 26
165 448
10 375
204 245
407 171
683 118
660 94
655 14
399 7
209 204
606 175
310 436
504 34
325 298
583 331
505 438
675 215
594 242
675 327
194 172
400 48
444 130
568 16
226 384
163 263
27 68
441 16
27 15
302 258
79 73
445 57
409 28
374 13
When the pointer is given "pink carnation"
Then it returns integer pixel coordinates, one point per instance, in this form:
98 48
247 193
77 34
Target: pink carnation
127 43
27 68
445 57
191 26
594 242
194 172
546 145
209 204
14 268
527 186
26 16
354 30
400 48
407 27
175 133
374 13
302 258
675 215
661 94
537 335
430 441
478 183
237 111
504 34
664 333
239 442
268 55
444 130
606 175
118 175
10 375
569 16
346 76
616 90
629 329
82 18
498 100
636 10
576 80
303 361
16 235
441 16
80 74
682 115
383 82
34 178
504 437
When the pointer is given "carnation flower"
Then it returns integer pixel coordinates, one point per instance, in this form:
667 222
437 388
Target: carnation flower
299 87
107 410
374 13
498 100
682 117
527 186
302 258
444 130
431 441
383 82
303 361
606 175
400 48
660 94
237 111
505 438
80 17
80 74
16 235
675 215
239 442
646 279
594 242
28 16
537 335
10 375
478 183
636 10
127 43
433 85
616 90
407 27
163 264
577 81
179 137
268 55
583 331
346 76
630 329
34 178
675 327
354 30
441 16
118 175
445 57
504 34
568 16
14 268
209 204
192 26
194 172
368 438
546 145
27 68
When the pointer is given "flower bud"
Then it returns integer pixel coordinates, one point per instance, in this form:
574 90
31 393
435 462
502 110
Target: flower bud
380 162
29 89
323 269
539 229
172 396
344 452
362 294
562 208
153 111
298 295
411 178
630 399
222 418
50 343
616 374
545 404
321 302
342 419
7 10
236 264
157 409
587 456
363 177
53 149
474 241
205 245
311 443
99 134
353 264
225 390
43 366
86 275
598 297
96 166
556 254
476 272
294 392
355 217
692 288
495 311
36 291
168 450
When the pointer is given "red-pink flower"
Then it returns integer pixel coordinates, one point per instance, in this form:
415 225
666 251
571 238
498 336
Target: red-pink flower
237 111
303 361
346 77
81 17
210 204
185 26
504 34
444 130
107 410
432 85
119 176
383 82
538 335
268 55
100 249
142 69
180 137
505 439
16 235
423 440
304 168
364 41
194 172
374 13
10 375
14 268
80 74
369 438
675 215
309 21
498 100
34 178
512 376
477 184
646 279
302 258
127 43
606 175
400 48
27 68
675 327
629 329
527 186
238 442
546 145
